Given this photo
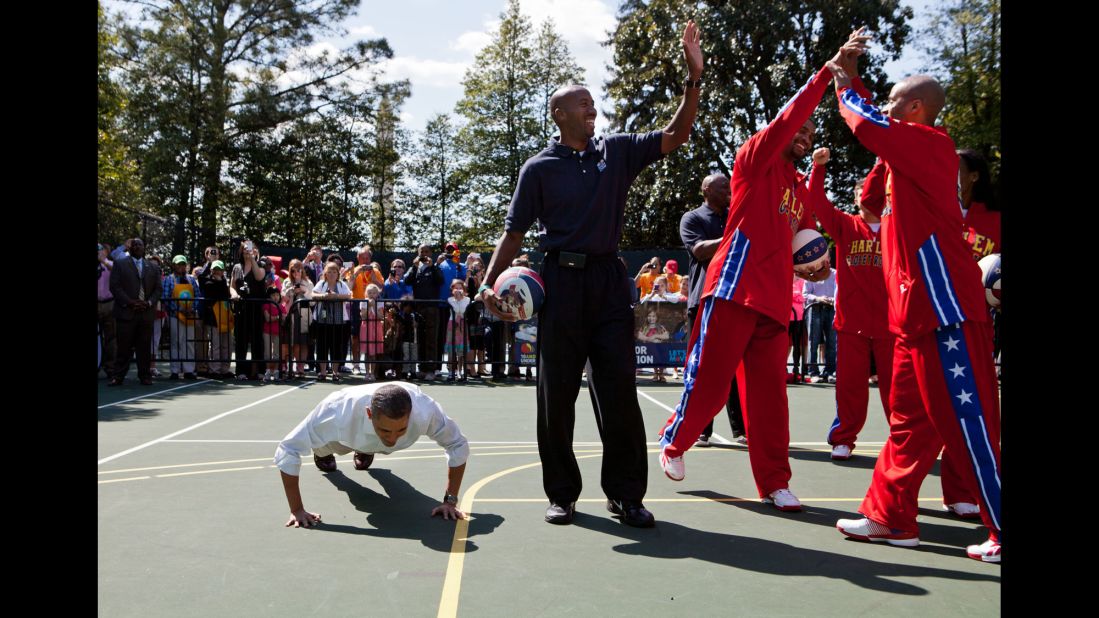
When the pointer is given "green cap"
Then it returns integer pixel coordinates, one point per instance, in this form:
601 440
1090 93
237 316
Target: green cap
217 264
179 259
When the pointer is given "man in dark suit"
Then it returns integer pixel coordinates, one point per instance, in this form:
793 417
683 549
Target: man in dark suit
136 286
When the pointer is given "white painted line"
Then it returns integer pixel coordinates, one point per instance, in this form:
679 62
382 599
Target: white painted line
234 441
646 396
195 426
211 471
135 478
168 390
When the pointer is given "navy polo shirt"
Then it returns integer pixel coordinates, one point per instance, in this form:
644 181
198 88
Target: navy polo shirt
579 199
697 225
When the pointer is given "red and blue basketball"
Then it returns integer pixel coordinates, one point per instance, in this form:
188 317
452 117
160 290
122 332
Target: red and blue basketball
990 277
520 292
810 251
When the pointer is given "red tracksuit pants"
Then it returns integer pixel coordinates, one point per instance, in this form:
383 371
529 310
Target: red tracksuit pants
726 334
853 397
943 392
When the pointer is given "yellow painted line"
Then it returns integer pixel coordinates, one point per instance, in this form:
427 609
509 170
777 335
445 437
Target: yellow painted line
161 476
190 465
452 585
136 478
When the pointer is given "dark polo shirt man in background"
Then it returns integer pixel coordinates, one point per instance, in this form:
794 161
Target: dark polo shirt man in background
701 231
576 190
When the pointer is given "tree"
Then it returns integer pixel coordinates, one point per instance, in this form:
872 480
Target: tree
437 178
208 73
758 54
553 67
963 40
117 171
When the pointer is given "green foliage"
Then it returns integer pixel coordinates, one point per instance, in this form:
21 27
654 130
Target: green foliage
429 212
216 86
963 40
504 107
117 171
758 54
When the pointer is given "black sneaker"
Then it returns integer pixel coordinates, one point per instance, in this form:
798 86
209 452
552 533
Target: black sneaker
633 513
560 515
189 376
325 464
174 376
363 460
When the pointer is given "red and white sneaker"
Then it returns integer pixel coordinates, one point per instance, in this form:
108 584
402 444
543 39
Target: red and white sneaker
965 510
866 529
989 551
841 452
784 500
673 466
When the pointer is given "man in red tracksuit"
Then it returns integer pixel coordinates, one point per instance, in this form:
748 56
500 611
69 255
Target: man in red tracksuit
862 322
944 382
862 326
746 303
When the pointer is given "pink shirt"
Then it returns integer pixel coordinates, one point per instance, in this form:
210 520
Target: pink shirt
799 300
105 282
272 328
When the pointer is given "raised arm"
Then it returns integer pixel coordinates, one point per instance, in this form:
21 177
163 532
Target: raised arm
679 129
818 200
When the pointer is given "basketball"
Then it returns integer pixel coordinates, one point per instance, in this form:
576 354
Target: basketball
520 292
990 277
810 251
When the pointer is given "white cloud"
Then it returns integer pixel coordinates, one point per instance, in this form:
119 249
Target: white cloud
364 30
425 72
471 42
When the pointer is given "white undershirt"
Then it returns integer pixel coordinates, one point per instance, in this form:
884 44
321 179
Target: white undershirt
875 227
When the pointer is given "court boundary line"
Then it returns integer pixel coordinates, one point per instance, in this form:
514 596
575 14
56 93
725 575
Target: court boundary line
196 425
174 388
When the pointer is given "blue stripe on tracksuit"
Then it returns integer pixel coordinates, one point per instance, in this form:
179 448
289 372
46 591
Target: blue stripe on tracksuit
939 285
835 423
852 101
960 383
726 287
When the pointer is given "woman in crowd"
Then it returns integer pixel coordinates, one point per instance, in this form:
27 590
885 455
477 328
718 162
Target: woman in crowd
296 292
248 288
331 316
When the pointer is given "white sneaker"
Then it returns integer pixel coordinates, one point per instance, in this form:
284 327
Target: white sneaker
989 551
673 466
869 530
841 452
831 379
784 500
965 510
703 441
815 380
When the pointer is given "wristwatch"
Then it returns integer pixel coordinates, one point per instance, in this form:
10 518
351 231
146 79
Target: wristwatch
687 83
450 499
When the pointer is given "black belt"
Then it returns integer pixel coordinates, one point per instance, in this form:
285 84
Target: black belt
571 259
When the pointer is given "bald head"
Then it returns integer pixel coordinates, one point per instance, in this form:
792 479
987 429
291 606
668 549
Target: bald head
917 98
573 111
715 190
563 93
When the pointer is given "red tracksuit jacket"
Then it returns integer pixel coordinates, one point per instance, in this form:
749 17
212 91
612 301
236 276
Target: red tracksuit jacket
981 228
931 277
860 284
754 263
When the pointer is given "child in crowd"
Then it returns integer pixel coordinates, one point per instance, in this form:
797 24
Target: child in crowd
370 330
272 317
456 328
391 348
410 322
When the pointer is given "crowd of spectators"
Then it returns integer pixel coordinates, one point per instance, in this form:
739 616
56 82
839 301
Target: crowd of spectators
240 315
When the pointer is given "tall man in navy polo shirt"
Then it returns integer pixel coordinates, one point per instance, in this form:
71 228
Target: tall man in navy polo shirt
576 190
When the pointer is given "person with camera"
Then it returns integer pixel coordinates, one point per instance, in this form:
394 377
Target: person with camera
649 272
361 275
296 292
395 288
313 264
425 278
452 269
248 290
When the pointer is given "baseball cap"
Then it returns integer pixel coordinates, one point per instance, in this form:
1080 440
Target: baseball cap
179 259
672 265
451 247
217 264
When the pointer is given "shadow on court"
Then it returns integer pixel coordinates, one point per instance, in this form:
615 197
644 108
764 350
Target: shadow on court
946 539
674 541
402 512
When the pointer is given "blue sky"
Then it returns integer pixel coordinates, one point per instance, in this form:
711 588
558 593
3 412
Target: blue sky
435 41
